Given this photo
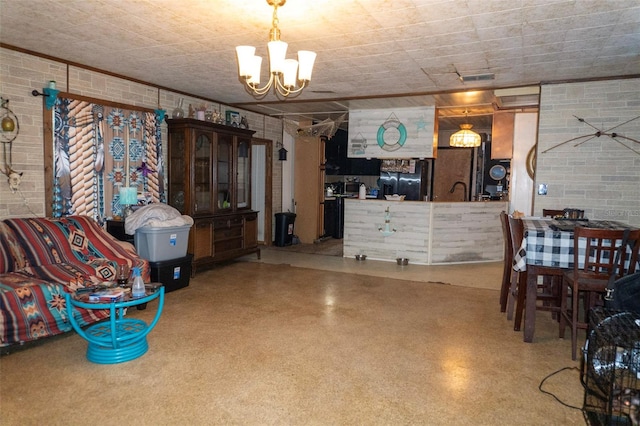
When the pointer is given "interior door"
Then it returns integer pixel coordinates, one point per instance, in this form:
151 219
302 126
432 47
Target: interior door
309 189
452 165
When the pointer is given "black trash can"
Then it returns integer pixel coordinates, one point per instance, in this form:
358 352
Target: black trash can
284 228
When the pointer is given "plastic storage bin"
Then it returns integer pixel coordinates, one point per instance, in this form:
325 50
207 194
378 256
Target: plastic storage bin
284 228
173 274
162 243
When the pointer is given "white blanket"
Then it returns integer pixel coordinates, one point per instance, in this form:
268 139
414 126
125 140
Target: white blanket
158 215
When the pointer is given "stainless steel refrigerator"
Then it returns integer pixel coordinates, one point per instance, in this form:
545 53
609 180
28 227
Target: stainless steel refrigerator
413 182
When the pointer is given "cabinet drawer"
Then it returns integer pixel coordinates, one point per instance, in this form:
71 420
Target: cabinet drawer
228 245
229 222
202 239
225 234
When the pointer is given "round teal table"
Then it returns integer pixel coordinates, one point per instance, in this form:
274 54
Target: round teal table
117 339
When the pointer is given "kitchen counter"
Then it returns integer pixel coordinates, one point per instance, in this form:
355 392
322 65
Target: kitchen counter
426 233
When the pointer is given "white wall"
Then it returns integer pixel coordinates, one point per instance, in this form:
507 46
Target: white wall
521 185
600 175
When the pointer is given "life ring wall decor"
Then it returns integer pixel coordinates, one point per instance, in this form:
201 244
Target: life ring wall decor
391 123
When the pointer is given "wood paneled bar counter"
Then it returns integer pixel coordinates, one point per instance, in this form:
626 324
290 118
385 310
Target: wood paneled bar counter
426 233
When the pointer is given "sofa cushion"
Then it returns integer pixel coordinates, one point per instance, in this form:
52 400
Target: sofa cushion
31 309
12 256
76 242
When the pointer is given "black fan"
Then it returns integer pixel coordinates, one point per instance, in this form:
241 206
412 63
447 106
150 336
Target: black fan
611 368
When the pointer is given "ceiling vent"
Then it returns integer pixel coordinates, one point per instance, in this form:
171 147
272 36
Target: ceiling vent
477 77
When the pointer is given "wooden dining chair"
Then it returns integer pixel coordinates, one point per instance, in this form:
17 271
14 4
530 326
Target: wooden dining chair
508 261
548 292
590 275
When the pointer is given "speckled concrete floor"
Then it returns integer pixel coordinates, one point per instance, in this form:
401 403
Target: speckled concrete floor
255 343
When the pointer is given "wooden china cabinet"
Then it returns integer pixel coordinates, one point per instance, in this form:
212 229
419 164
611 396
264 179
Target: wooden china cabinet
209 179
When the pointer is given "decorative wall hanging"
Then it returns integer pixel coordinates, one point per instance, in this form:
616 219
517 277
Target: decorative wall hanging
386 229
100 149
9 133
327 127
397 133
598 133
395 142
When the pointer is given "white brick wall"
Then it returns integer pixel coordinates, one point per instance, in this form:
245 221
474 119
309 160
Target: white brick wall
20 73
600 176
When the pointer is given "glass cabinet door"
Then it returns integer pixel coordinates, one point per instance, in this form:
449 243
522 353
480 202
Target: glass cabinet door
202 174
177 165
243 185
223 172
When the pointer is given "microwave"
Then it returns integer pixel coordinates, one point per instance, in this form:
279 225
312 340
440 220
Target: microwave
351 187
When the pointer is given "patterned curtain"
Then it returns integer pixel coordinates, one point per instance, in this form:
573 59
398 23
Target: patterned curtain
99 149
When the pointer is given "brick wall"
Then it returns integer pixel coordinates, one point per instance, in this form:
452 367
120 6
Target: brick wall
600 175
20 73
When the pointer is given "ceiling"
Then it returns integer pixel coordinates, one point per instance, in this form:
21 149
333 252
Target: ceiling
371 53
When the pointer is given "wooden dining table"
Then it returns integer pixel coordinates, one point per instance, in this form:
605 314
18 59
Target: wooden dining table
548 246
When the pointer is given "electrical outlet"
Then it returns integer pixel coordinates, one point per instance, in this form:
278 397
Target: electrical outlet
542 189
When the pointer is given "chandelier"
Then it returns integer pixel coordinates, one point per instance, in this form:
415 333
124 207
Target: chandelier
282 72
465 137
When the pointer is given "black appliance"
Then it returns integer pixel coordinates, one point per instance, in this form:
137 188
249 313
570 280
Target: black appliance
414 185
495 172
334 217
351 187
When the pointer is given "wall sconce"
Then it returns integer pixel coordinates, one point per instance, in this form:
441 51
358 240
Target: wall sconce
9 132
282 153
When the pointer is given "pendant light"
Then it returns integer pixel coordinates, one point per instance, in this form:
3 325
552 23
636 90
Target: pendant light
465 137
286 76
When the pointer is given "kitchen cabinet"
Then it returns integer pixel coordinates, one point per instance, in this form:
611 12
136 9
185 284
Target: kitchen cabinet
338 162
502 135
209 179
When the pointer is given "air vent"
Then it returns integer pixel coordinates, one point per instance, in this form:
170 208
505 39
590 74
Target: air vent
477 77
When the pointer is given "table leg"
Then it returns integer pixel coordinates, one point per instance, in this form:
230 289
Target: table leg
530 306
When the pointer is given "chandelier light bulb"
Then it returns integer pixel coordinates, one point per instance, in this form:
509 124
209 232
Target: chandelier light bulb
245 55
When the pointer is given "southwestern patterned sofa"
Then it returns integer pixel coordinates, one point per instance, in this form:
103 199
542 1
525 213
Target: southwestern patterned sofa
41 259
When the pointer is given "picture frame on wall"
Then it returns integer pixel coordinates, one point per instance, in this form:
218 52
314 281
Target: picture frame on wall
232 118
